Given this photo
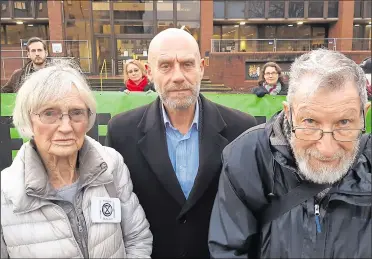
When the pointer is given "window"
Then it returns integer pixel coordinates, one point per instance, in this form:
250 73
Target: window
218 9
248 32
41 8
133 27
333 9
235 9
2 34
368 7
101 10
102 26
78 9
296 9
163 25
276 9
192 27
22 9
16 32
77 30
358 8
188 10
165 10
256 9
5 12
134 10
217 31
316 9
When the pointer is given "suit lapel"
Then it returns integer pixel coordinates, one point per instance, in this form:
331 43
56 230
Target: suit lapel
153 146
211 145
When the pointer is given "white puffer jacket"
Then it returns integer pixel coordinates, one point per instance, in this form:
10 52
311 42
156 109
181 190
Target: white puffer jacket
35 227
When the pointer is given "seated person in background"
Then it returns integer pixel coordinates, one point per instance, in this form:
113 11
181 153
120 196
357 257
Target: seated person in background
49 195
135 78
270 81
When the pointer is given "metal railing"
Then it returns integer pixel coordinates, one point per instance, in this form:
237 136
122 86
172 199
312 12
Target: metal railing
104 66
274 45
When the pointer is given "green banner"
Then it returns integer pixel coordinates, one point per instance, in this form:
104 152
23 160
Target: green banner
112 103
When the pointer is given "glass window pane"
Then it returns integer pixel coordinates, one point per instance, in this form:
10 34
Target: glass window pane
192 27
368 6
5 12
230 31
77 30
217 31
296 9
367 32
162 25
133 27
267 32
303 31
17 32
248 32
143 10
276 9
357 8
2 35
316 9
102 27
78 9
218 9
333 9
101 10
41 9
22 9
132 47
188 10
235 9
165 10
256 9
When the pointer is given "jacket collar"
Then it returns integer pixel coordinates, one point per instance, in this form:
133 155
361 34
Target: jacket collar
33 190
211 145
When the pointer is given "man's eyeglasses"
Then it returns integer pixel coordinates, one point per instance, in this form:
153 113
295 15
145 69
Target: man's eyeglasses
315 134
50 116
271 74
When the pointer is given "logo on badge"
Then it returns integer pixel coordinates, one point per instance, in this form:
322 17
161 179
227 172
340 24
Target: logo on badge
107 209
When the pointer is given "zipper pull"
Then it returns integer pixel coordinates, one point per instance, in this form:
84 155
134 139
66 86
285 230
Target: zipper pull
317 218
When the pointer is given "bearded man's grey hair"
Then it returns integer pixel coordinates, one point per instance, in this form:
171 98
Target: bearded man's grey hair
329 69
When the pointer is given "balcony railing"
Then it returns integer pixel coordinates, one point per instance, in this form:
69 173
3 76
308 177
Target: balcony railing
274 45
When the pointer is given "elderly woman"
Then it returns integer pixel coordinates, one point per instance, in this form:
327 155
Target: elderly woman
270 81
65 195
135 79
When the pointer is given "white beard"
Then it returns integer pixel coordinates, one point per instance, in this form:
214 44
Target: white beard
324 174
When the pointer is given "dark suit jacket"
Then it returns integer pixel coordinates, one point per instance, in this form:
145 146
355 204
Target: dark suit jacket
179 226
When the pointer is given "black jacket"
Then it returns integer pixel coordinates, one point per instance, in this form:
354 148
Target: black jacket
345 211
179 226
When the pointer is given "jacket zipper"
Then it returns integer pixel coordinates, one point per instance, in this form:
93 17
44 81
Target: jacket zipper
317 218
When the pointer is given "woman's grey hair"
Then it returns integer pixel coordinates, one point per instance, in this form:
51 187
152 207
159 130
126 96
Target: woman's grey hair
329 69
49 85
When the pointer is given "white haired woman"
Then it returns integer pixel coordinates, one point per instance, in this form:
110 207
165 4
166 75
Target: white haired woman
65 195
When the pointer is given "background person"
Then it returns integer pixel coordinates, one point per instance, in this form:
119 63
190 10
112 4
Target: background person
48 191
366 65
135 78
270 81
316 144
37 53
173 147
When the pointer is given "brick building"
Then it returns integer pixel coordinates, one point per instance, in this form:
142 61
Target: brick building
236 37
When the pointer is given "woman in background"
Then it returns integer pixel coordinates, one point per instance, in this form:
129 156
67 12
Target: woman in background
135 79
270 81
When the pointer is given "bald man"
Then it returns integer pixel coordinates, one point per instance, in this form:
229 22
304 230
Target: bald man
173 146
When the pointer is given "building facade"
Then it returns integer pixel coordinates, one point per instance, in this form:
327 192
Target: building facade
235 36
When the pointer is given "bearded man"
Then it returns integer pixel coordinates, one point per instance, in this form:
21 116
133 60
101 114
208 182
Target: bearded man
173 147
300 185
37 53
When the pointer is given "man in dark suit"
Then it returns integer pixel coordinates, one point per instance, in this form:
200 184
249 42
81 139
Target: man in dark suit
173 147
